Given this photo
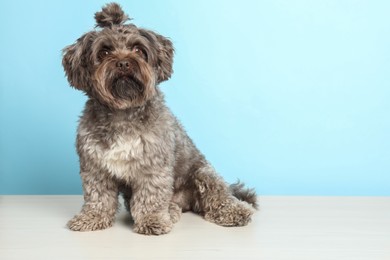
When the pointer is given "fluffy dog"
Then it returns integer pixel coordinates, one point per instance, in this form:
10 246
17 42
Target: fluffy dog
129 142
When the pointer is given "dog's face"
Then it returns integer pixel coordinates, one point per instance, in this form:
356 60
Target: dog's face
119 65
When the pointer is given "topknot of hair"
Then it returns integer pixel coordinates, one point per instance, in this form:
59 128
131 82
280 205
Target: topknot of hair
111 14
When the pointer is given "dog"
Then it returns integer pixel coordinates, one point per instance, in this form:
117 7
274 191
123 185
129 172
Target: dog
130 143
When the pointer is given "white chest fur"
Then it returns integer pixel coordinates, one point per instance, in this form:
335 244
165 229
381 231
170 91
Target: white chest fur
124 155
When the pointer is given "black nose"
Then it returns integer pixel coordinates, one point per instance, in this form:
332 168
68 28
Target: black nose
123 64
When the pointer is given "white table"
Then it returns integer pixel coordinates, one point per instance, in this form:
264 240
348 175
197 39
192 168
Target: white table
313 228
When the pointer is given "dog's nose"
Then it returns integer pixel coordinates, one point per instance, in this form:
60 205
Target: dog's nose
123 64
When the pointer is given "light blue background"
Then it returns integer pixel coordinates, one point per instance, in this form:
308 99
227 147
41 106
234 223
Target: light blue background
292 97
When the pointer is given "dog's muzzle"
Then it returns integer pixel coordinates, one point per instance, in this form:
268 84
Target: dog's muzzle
127 87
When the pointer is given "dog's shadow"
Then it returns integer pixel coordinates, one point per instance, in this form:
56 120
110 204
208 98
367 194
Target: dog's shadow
124 217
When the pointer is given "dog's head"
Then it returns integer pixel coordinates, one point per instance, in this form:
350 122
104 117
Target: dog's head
119 64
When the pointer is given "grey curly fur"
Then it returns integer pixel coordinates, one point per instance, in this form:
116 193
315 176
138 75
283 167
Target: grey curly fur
130 143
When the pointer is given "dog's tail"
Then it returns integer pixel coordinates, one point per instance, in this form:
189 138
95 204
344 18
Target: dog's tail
244 194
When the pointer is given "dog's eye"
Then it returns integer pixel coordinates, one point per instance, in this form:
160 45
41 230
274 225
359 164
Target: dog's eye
138 50
103 53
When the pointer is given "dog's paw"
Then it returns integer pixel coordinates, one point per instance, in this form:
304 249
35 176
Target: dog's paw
90 222
231 214
154 224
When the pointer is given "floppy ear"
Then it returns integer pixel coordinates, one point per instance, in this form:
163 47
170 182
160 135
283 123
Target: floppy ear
165 58
164 50
76 60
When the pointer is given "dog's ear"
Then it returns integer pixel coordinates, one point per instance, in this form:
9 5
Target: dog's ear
165 59
111 14
76 61
164 50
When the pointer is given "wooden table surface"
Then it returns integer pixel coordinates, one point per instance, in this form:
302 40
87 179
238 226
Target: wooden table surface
313 228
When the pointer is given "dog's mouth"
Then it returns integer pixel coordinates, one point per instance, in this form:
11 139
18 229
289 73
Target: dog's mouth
127 87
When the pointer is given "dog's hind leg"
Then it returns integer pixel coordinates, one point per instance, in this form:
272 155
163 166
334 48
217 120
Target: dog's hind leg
216 201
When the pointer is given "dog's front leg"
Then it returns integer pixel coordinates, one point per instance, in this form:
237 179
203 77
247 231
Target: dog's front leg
150 203
100 202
